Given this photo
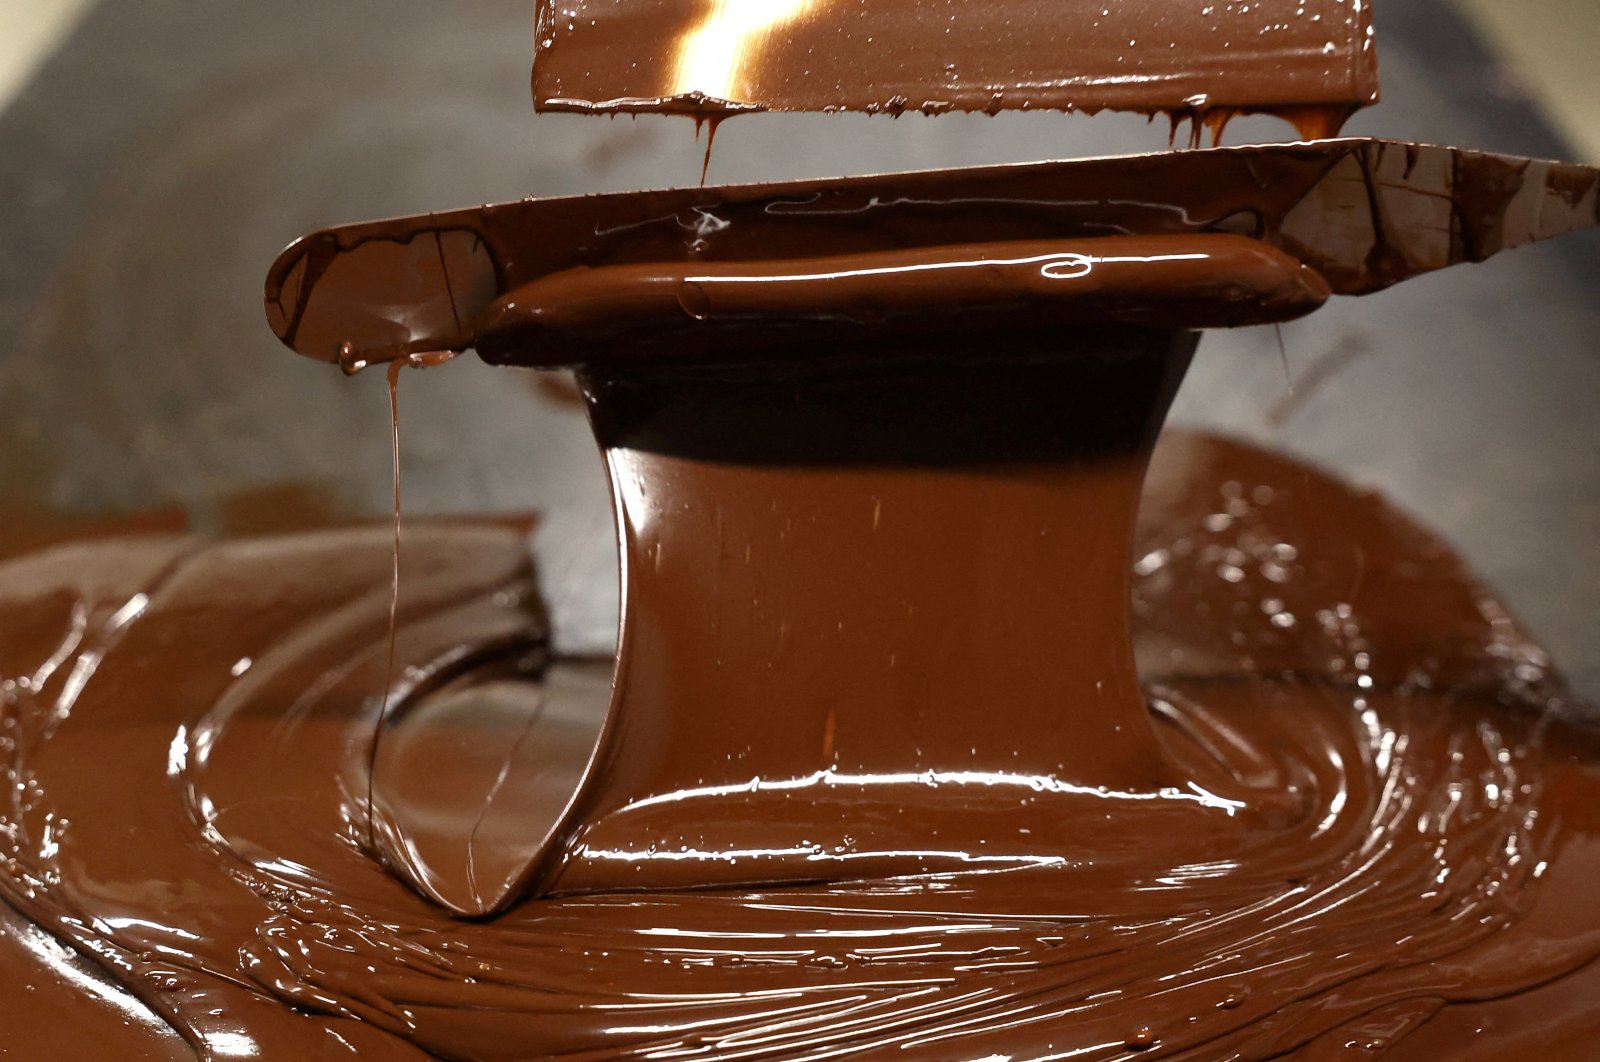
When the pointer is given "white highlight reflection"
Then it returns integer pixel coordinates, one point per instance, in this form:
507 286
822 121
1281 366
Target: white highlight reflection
1037 783
1054 266
817 852
61 961
714 54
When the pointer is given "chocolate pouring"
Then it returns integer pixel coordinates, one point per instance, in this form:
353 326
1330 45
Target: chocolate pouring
953 716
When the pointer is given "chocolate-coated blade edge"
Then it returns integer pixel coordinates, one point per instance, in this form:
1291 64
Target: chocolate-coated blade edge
1366 214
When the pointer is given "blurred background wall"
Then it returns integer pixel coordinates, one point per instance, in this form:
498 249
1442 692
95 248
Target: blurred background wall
155 156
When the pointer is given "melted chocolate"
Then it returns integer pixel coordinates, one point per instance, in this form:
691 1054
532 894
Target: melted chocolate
875 683
893 56
877 479
840 582
885 302
1409 872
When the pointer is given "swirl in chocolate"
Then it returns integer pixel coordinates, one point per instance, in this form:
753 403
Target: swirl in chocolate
1397 852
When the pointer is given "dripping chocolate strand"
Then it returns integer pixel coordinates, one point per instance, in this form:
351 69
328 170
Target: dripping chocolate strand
393 378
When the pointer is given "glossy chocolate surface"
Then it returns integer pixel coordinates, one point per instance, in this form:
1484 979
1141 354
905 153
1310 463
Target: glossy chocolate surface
1408 868
881 305
891 56
839 588
922 744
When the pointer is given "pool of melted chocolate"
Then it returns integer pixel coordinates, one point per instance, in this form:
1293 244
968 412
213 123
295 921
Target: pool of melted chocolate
1314 62
1380 839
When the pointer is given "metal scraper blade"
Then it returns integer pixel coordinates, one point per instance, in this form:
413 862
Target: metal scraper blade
1365 214
892 56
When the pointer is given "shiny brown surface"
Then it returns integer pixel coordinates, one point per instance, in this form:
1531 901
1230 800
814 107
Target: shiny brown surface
1408 870
1336 821
1340 805
838 592
880 303
1363 214
728 56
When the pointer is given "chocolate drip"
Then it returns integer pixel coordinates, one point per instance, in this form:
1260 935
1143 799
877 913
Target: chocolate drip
838 585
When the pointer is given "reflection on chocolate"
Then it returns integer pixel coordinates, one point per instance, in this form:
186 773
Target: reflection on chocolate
1410 861
893 56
